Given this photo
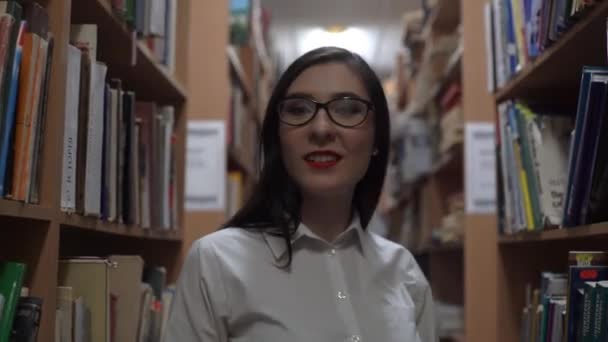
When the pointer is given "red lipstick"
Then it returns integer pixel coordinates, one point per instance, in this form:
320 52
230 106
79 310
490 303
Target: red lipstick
322 159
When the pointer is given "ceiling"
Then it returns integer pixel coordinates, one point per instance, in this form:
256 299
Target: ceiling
380 21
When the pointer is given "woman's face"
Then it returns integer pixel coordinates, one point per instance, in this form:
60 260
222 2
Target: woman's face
324 158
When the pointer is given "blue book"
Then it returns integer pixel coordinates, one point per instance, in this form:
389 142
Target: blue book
595 108
8 126
511 41
588 72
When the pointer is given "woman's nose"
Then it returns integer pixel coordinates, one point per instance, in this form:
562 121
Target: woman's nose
322 129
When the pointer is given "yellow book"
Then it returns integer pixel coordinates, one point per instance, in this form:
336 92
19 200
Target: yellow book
523 185
520 37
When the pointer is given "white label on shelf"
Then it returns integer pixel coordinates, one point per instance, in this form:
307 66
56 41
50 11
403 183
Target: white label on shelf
480 161
206 166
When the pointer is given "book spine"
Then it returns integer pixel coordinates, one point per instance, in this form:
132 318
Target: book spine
70 145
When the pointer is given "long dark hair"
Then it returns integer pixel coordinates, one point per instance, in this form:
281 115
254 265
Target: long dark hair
274 206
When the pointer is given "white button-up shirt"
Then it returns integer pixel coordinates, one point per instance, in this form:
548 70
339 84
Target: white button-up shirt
360 288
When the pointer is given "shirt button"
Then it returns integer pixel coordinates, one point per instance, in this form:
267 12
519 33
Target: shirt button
355 338
341 295
332 252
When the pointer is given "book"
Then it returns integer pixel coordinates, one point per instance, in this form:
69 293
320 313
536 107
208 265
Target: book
524 29
8 124
125 280
27 319
90 280
584 266
592 104
82 321
92 186
129 150
65 307
12 275
601 314
70 135
33 193
33 55
145 312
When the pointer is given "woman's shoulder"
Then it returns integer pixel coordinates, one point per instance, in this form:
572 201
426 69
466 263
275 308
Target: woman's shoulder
391 253
230 239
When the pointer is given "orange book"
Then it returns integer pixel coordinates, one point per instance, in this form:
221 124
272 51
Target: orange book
24 187
24 110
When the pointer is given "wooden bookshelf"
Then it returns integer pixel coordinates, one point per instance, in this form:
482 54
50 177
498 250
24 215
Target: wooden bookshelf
498 267
593 231
446 16
18 210
238 161
238 68
561 64
40 235
127 59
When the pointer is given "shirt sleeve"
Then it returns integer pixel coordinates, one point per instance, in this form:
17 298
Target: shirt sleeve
421 293
425 316
200 300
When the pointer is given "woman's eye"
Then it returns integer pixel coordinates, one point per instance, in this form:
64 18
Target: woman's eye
350 108
297 110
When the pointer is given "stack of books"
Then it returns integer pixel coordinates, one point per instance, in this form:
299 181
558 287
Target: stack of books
570 306
523 29
25 64
118 161
154 22
551 171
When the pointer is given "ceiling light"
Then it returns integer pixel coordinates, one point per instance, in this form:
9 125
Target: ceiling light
355 39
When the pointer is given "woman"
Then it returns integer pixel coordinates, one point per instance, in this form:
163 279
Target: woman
296 263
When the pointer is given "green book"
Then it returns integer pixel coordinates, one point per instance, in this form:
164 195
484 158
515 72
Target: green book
525 118
11 281
130 13
588 321
601 307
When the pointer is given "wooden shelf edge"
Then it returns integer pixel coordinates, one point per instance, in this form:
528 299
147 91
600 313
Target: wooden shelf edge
177 86
506 92
19 209
440 249
175 91
235 64
236 160
597 230
71 221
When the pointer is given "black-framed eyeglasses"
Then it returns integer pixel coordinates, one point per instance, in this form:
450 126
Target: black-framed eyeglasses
343 111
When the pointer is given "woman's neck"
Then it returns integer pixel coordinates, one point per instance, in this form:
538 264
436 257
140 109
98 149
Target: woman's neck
326 216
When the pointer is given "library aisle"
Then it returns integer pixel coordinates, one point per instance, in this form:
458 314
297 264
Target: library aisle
129 129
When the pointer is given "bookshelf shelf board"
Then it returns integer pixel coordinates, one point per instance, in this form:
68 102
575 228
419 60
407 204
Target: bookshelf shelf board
560 66
452 162
237 67
126 58
598 230
441 249
94 224
18 209
236 160
446 16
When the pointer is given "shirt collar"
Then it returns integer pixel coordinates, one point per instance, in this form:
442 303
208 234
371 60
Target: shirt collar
277 246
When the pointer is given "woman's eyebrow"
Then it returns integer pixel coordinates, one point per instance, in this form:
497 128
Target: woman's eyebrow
300 94
345 94
332 96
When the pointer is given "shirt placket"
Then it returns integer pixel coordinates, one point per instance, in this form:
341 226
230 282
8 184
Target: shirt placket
343 298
